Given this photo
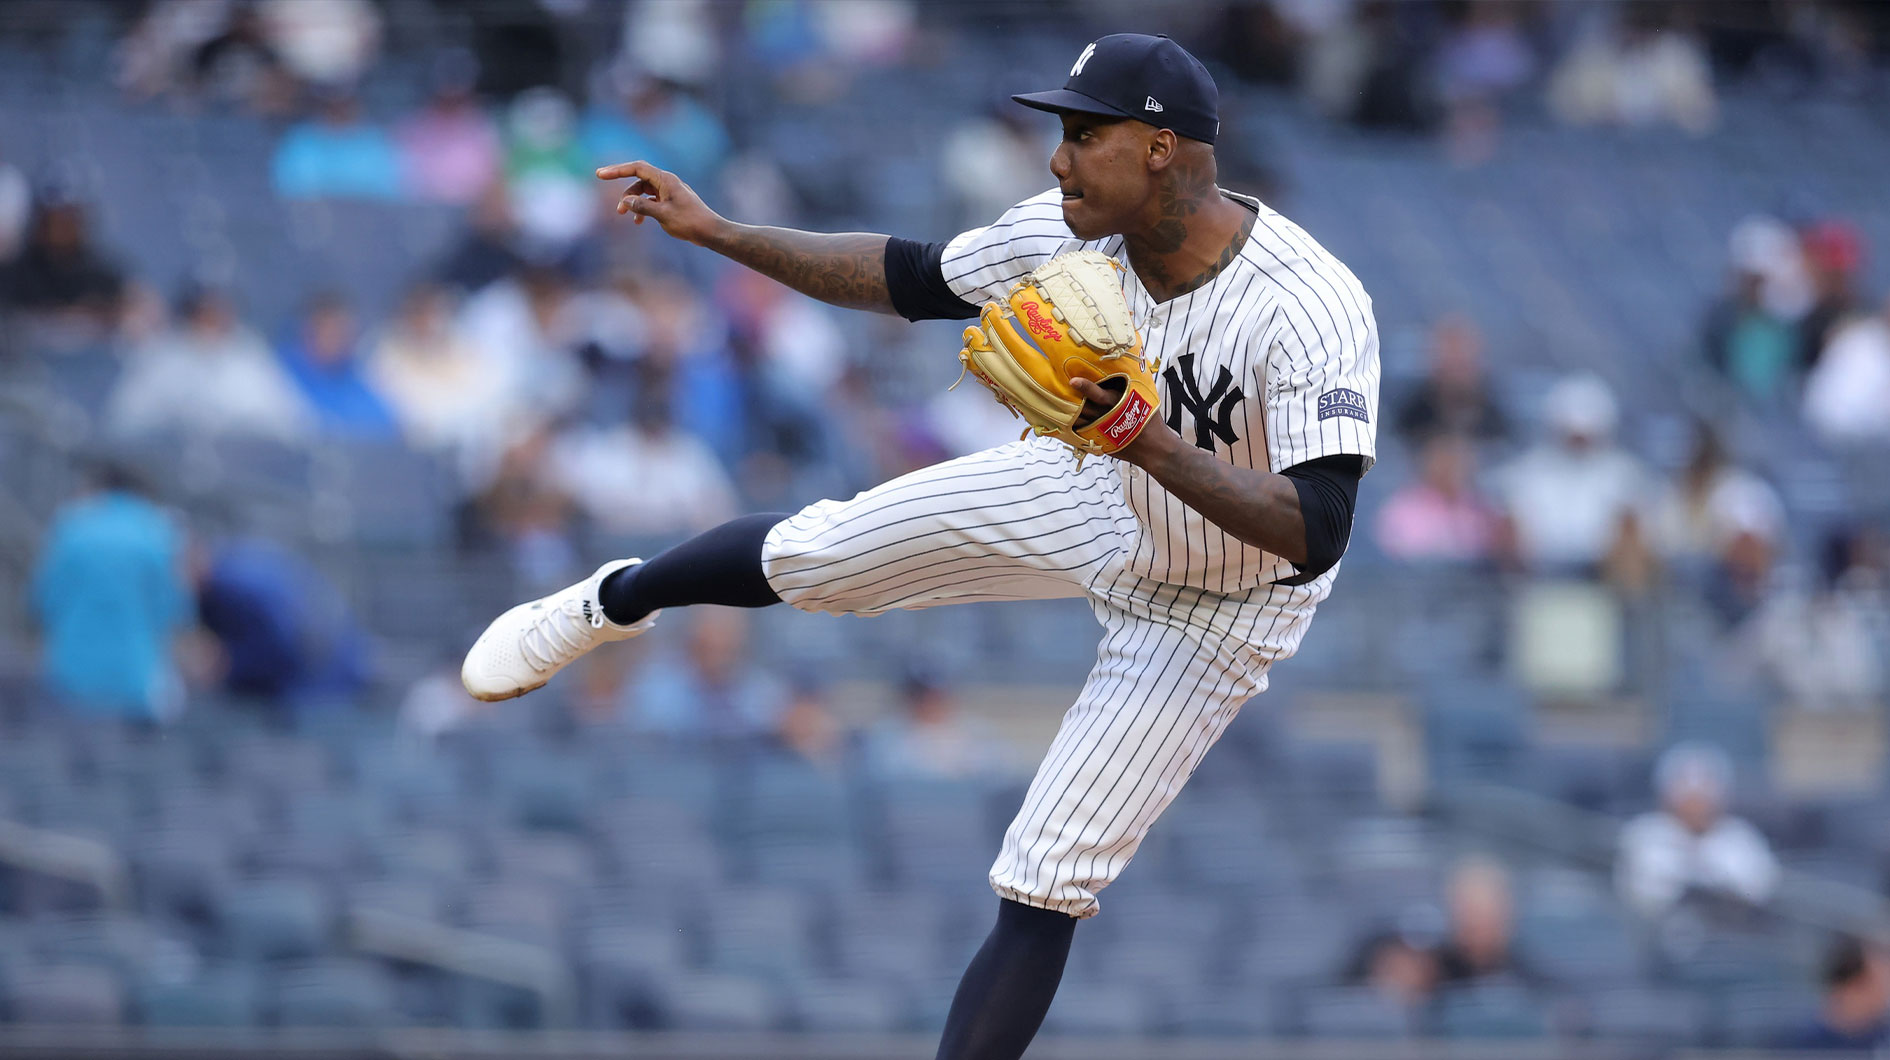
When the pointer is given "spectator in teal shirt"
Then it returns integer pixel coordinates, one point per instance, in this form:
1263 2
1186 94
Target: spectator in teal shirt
338 156
110 597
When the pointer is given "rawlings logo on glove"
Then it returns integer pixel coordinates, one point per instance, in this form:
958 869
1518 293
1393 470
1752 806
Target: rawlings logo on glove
1066 320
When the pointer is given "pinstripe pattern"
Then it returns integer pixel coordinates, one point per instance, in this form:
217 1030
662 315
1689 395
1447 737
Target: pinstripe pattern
1192 620
1286 320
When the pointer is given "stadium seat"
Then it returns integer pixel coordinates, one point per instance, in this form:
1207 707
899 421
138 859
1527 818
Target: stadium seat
830 1006
274 920
1659 1018
65 994
1490 1011
333 993
702 1002
217 996
1351 1012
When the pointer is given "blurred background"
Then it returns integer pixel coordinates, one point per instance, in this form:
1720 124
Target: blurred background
321 346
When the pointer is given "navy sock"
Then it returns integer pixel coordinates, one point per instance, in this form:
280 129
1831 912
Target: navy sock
719 566
1002 999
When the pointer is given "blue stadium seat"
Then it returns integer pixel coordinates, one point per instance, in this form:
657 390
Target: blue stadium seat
1114 1010
274 920
829 1006
333 993
1661 1018
217 996
1351 1012
1490 1011
700 1002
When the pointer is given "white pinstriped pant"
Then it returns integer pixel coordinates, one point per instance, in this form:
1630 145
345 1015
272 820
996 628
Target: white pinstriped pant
1024 522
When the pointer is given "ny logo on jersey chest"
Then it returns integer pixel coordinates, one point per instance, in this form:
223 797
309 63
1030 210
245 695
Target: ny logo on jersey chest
1213 411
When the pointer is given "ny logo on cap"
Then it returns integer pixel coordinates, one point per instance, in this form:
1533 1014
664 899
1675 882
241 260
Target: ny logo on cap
1083 59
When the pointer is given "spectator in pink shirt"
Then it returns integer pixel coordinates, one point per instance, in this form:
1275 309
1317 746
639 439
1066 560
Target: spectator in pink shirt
1440 516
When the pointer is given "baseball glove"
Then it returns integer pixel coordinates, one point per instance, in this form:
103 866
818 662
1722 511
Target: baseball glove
1068 319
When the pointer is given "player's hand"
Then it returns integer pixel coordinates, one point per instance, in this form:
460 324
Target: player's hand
662 196
1099 399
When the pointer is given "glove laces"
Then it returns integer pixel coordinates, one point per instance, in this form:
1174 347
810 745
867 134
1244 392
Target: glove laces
561 634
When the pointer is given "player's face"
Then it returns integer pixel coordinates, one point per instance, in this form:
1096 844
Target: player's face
1102 168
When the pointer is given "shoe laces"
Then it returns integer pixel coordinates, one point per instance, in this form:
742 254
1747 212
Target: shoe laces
561 634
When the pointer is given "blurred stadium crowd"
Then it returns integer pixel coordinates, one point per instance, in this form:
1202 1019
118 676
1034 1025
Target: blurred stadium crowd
322 344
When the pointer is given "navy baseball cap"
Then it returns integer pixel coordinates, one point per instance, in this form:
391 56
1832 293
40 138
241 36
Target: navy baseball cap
1134 75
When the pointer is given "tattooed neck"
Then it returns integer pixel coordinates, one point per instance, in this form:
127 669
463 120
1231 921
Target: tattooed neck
1189 203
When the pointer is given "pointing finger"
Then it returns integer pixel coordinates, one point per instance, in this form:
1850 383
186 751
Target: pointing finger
626 169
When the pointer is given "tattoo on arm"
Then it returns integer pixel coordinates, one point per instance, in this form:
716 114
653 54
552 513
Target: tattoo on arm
1258 507
847 270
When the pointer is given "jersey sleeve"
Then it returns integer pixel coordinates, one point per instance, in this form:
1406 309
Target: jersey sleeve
981 264
1321 384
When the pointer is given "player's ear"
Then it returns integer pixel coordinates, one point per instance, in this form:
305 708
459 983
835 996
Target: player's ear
1162 144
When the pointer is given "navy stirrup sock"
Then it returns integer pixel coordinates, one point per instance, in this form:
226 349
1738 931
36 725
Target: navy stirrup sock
1005 993
719 566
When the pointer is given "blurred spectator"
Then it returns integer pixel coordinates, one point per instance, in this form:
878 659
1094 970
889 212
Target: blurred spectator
323 359
285 635
1722 527
1712 503
641 116
1643 69
526 329
993 162
337 156
1855 1016
554 197
1827 647
437 703
1366 67
1750 335
450 150
1833 255
1441 516
808 727
64 284
1483 61
673 40
109 594
1573 501
437 383
647 476
522 512
239 65
327 44
1454 397
16 209
714 690
1691 847
211 374
1482 923
488 251
1398 966
931 738
1847 395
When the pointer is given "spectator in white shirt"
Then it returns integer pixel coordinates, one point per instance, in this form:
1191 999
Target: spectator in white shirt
211 375
1691 846
1571 500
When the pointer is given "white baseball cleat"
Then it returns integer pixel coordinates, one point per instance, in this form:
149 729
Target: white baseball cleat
524 647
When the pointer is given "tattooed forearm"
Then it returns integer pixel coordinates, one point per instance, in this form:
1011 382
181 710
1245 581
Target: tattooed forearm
1259 508
847 270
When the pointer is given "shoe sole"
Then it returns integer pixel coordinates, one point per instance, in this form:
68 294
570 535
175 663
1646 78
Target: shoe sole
503 696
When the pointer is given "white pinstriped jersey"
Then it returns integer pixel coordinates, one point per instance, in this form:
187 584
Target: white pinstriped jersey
1272 363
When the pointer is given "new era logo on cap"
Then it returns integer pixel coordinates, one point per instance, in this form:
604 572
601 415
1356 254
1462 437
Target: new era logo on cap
1152 106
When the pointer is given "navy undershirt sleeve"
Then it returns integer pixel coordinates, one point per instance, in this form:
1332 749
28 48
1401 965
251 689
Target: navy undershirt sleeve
915 278
1328 493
